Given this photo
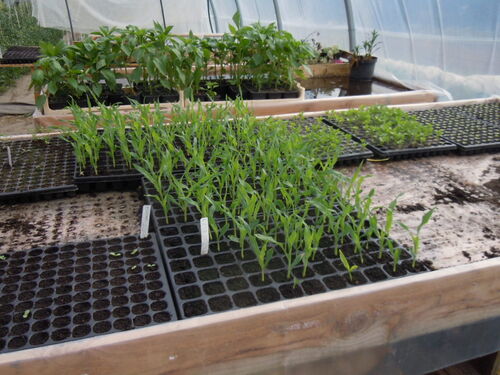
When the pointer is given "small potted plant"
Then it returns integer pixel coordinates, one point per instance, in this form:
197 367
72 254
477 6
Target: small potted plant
364 63
329 62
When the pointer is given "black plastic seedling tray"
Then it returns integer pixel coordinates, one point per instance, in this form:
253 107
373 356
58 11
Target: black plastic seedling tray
21 55
471 135
352 151
489 112
73 291
111 176
226 280
223 280
39 168
436 146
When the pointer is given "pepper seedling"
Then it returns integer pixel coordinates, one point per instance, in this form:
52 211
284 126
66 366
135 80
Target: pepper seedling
115 254
26 314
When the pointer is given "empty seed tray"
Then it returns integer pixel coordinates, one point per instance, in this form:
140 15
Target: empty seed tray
471 135
39 167
435 146
21 55
61 293
489 112
228 279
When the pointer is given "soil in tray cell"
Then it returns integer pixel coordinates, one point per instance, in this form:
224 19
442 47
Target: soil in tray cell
61 293
228 278
38 166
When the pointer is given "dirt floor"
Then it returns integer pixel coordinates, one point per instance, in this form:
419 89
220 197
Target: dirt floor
466 193
19 124
79 218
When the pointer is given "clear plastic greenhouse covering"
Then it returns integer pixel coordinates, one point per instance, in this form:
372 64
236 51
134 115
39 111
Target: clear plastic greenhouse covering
448 44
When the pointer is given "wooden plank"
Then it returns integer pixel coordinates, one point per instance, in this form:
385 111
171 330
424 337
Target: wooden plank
404 107
31 65
284 336
285 106
346 102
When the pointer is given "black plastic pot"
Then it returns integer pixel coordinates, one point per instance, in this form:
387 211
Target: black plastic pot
269 93
162 97
363 69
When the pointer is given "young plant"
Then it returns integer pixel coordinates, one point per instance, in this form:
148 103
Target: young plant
415 234
350 269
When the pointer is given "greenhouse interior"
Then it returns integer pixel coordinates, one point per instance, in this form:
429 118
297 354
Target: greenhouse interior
250 187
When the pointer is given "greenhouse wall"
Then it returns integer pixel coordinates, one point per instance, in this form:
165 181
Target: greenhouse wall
448 44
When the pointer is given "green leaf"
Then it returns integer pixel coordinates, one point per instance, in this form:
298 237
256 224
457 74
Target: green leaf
136 75
40 101
37 76
52 88
109 76
101 64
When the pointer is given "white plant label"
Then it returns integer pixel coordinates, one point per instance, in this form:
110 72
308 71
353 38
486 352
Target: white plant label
9 156
146 213
205 238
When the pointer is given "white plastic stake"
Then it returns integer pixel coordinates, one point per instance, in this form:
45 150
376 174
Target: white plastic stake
9 156
146 213
205 238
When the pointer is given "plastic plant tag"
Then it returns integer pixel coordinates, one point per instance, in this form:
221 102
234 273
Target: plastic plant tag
205 239
9 156
146 212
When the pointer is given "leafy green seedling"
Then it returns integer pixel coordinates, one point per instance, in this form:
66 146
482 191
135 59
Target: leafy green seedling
115 254
134 251
151 265
26 314
3 257
415 234
133 267
350 269
396 253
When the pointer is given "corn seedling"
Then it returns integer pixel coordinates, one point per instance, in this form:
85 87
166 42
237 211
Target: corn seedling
350 269
415 234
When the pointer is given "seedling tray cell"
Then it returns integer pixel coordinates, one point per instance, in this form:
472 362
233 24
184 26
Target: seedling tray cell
225 280
435 146
352 151
20 55
62 293
471 135
39 167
